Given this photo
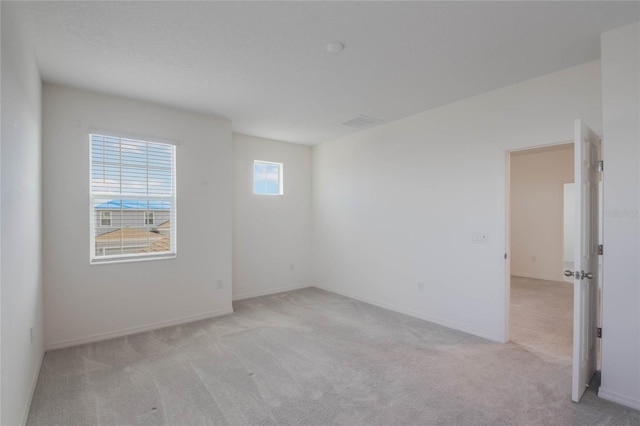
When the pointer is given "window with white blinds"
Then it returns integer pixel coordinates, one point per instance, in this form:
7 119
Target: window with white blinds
133 199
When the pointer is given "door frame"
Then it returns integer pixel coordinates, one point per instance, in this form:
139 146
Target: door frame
504 195
504 198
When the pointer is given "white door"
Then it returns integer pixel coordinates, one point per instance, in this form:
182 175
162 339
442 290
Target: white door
587 148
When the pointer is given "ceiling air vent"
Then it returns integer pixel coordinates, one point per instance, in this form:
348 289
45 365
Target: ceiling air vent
362 121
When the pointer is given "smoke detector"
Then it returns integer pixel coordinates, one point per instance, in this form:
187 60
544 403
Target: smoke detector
335 47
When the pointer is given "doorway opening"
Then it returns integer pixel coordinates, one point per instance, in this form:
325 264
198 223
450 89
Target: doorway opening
534 222
541 241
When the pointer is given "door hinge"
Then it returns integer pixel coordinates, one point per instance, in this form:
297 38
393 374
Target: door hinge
599 335
600 249
600 166
505 256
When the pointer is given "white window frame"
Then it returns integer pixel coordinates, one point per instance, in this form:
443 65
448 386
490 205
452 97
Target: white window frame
103 217
93 196
280 177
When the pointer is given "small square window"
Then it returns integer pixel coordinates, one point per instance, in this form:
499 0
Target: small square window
148 218
105 218
267 178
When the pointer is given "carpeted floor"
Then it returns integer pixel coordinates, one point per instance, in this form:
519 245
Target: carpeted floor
310 357
542 317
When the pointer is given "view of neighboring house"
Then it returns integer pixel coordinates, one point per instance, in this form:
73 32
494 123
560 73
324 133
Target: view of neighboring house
131 226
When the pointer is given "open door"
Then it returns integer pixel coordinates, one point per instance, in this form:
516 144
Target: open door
585 276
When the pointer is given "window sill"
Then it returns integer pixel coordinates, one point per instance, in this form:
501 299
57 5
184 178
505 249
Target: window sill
109 261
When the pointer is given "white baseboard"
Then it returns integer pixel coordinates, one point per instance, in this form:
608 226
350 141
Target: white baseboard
135 330
268 292
538 277
414 314
620 399
32 391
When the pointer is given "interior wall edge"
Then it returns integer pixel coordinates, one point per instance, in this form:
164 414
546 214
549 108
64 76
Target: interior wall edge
34 383
415 314
269 292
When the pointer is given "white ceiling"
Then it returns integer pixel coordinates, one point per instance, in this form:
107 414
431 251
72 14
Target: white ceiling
264 65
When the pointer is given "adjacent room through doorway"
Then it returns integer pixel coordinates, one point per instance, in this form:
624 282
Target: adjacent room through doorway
541 303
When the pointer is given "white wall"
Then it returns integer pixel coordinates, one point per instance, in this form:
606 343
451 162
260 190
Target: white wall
271 234
21 222
537 205
87 302
398 204
621 154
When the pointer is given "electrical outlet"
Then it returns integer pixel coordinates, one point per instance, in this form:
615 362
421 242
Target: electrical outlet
421 286
220 284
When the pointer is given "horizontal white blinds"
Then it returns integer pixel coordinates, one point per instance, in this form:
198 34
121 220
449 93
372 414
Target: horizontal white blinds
125 166
133 200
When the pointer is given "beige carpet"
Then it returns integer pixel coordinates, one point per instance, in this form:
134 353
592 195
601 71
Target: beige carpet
542 317
310 357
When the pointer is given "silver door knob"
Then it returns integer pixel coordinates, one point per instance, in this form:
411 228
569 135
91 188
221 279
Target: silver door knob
568 273
587 275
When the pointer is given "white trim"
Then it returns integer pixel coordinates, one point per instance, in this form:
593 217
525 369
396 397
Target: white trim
504 241
619 399
34 383
504 226
135 330
280 177
126 258
414 314
253 294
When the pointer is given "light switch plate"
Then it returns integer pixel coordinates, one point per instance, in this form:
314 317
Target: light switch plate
480 238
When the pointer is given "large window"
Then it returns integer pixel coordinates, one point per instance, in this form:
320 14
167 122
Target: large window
132 180
267 178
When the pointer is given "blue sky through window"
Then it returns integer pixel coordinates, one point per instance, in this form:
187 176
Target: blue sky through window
129 167
267 178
